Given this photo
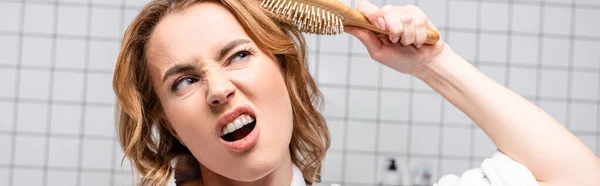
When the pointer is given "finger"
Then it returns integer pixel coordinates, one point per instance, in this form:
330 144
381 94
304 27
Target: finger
393 24
408 36
368 38
371 12
420 31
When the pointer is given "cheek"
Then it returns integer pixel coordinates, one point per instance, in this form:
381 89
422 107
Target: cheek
189 117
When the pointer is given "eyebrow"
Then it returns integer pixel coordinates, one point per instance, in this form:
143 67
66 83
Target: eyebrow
179 68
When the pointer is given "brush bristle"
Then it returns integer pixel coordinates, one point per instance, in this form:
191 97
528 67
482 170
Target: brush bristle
309 18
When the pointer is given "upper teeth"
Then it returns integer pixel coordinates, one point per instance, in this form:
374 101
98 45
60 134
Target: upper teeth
238 123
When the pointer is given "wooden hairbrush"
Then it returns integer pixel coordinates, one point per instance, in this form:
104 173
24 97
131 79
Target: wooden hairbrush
326 17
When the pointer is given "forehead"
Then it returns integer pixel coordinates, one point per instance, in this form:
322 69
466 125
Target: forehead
199 30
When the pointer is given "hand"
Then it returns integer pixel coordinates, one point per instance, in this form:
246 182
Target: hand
403 49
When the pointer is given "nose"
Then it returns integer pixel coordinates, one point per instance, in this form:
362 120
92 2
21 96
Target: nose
220 90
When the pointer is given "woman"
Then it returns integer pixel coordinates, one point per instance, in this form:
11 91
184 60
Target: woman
227 84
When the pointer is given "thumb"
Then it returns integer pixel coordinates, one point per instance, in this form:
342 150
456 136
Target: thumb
367 37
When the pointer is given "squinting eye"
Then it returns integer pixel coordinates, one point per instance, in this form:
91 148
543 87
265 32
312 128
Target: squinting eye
183 83
240 55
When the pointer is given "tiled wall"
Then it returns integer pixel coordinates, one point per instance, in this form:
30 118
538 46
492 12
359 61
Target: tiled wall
56 100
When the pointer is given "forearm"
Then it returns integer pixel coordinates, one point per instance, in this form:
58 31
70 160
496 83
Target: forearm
519 128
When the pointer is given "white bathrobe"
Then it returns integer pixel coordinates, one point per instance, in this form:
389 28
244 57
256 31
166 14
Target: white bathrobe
499 170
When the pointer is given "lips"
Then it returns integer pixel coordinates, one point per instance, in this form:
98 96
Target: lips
243 143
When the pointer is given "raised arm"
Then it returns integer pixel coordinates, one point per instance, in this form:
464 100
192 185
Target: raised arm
519 128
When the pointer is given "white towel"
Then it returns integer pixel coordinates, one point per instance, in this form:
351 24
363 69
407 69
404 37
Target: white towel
499 170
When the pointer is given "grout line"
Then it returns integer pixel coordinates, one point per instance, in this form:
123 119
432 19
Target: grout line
84 95
16 94
113 156
509 43
570 73
346 108
50 96
539 81
443 109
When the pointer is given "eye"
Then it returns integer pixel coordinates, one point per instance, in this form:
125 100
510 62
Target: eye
183 83
241 55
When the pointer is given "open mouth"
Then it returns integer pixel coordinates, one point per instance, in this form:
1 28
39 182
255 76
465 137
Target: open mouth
239 128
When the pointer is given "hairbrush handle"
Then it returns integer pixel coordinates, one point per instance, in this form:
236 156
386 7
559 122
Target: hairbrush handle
355 18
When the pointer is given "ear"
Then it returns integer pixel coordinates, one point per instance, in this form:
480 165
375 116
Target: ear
165 123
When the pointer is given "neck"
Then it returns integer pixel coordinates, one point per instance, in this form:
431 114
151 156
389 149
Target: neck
282 175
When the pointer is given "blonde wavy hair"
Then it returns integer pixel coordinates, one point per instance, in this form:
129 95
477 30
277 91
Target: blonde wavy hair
150 146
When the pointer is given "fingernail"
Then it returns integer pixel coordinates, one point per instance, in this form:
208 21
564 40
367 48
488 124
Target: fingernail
381 23
395 39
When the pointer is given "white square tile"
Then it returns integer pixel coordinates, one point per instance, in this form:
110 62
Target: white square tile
526 18
312 65
311 40
494 16
457 141
363 104
463 14
29 150
333 69
126 167
359 168
378 3
136 2
361 136
335 43
484 147
557 109
27 177
463 44
104 22
7 119
425 140
103 54
8 50
555 52
99 88
68 86
5 144
97 153
394 105
426 108
7 80
394 79
586 54
127 180
584 117
9 14
34 84
585 85
334 101
100 121
588 2
421 168
337 130
62 178
64 152
455 167
454 115
524 50
364 72
585 22
70 53
393 138
73 20
358 47
523 81
37 51
107 2
557 20
589 141
39 18
130 15
95 178
400 2
492 48
32 117
65 119
553 83
4 173
420 85
332 167
435 11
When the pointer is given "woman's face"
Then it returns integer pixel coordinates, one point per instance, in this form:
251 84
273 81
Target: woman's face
212 80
